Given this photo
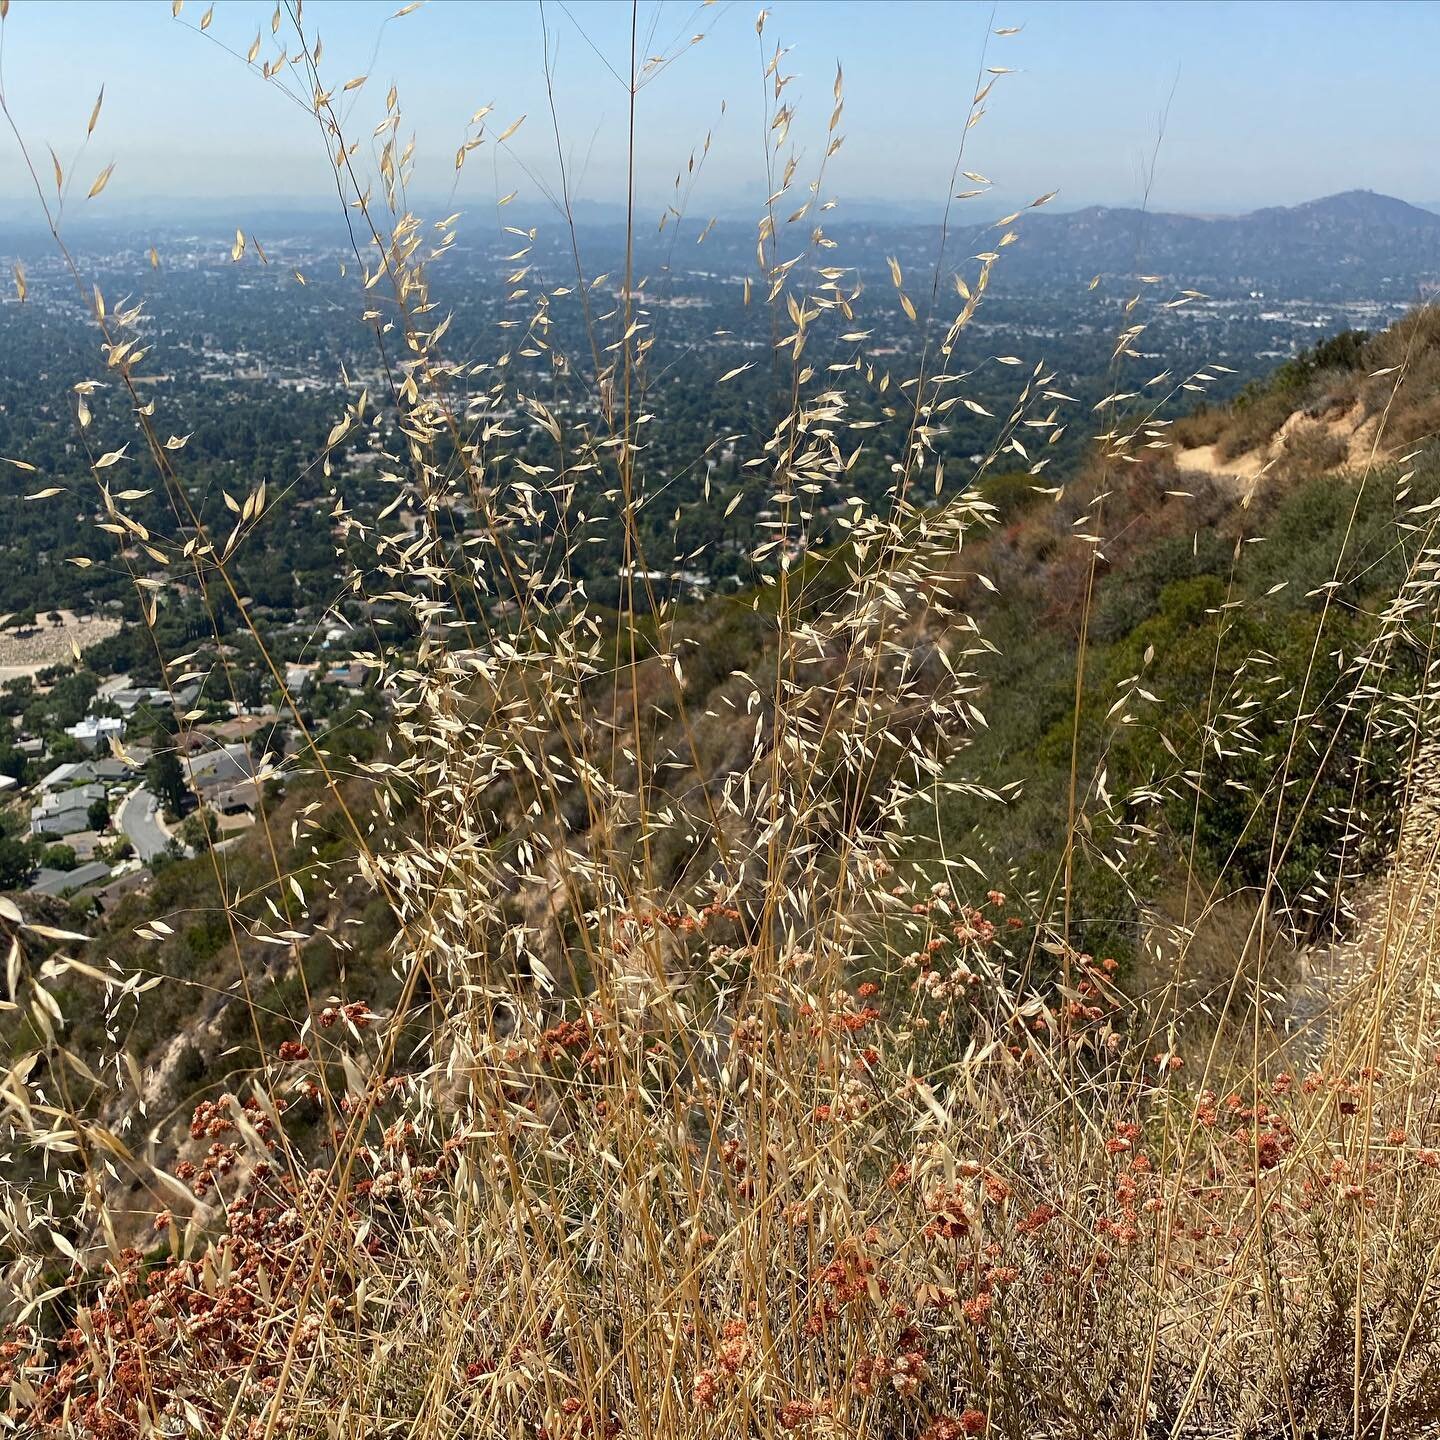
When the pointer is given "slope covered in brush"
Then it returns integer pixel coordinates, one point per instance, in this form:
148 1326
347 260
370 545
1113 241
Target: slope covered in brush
1204 708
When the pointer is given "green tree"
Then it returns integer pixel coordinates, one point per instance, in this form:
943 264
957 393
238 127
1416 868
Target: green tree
272 738
97 816
59 857
17 863
166 777
199 829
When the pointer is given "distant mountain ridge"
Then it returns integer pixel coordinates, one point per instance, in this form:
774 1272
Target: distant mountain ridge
1354 238
1351 245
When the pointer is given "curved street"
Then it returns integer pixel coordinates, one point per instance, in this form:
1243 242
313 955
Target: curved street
140 820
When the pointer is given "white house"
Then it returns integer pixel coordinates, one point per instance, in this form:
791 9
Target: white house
94 732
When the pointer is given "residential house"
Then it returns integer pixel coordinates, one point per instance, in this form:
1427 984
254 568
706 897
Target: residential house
236 799
213 771
298 676
66 882
60 775
350 677
105 768
95 732
65 812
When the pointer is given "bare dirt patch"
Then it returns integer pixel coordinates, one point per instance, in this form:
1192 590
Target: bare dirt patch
1204 459
1304 443
36 647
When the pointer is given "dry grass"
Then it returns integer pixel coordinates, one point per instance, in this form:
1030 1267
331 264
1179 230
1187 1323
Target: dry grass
703 1107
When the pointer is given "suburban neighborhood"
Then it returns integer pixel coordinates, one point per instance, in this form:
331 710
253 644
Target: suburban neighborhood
135 776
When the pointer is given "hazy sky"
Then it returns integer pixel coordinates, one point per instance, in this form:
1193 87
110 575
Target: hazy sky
1272 103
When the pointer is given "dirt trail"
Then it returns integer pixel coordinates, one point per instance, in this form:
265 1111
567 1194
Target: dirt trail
1354 432
1237 471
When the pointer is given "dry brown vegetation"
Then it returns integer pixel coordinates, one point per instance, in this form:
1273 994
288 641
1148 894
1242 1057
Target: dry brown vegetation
704 1099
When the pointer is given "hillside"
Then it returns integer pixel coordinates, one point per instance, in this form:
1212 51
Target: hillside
892 994
1180 553
1324 411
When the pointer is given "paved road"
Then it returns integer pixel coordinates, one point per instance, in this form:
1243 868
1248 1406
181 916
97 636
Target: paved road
139 818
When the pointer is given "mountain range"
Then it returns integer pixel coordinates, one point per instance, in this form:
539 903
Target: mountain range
1354 240
1355 244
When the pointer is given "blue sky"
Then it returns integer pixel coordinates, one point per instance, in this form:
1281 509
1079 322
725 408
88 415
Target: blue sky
1272 103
